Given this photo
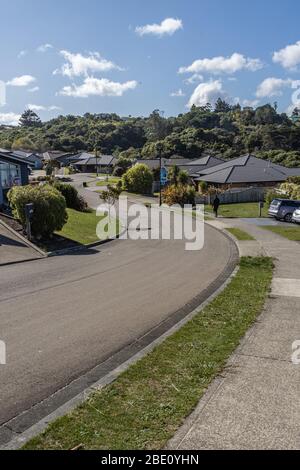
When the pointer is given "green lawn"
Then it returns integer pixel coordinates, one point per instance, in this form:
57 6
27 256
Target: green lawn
292 233
249 209
81 227
145 406
111 180
240 234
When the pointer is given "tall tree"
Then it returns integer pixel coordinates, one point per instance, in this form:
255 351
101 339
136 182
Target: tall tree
222 107
30 119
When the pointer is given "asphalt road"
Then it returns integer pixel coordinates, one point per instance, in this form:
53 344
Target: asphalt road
62 316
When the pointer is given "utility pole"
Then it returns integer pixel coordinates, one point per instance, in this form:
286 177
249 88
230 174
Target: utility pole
159 151
96 156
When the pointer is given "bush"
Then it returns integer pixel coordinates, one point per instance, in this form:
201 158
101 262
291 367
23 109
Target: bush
203 187
71 195
179 194
49 208
138 179
294 179
292 190
271 195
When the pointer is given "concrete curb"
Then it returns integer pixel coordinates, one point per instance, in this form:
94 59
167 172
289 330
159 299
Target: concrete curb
19 430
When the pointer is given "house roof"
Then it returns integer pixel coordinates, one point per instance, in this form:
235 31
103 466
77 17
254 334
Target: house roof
30 156
207 161
245 169
87 159
10 157
55 155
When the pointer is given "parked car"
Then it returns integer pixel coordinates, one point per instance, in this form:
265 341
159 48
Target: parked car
296 216
283 209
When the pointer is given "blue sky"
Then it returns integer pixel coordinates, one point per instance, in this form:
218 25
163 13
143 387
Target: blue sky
124 56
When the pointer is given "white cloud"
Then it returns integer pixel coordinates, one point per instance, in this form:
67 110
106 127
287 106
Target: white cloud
289 56
54 108
37 107
22 54
9 119
274 86
207 92
78 65
221 64
178 93
22 81
98 87
250 103
196 77
44 47
34 89
167 27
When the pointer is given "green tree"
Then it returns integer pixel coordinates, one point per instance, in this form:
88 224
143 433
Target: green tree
222 107
30 119
138 179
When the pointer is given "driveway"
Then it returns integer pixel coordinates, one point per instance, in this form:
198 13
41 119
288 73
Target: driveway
62 317
13 249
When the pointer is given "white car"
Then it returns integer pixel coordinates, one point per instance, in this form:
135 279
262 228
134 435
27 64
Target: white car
296 216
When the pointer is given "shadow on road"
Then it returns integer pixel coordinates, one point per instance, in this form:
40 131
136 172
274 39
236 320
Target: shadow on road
10 241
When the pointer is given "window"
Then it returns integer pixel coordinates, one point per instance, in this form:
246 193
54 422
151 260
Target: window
9 175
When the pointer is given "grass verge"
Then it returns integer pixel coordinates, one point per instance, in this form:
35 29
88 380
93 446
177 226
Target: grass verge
145 406
248 210
292 233
113 180
81 227
240 234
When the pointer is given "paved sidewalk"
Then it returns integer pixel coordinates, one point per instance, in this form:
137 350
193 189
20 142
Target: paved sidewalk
13 249
256 403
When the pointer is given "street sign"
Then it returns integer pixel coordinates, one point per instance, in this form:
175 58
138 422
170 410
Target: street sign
163 176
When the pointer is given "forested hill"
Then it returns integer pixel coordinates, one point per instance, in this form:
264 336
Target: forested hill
228 131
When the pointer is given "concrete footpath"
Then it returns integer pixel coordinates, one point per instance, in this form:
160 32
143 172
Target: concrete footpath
255 404
13 249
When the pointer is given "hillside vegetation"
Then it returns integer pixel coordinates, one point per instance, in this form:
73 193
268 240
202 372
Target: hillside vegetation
228 131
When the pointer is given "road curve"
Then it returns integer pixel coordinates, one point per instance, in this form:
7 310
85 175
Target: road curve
60 317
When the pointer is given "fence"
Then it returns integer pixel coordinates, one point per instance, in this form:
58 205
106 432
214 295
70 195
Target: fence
235 196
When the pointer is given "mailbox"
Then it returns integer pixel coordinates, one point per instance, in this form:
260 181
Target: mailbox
29 210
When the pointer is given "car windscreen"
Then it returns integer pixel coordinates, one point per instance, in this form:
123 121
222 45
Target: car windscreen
275 203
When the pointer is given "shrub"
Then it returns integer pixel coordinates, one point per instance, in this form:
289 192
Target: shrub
203 186
294 179
49 208
183 177
271 195
179 194
138 179
71 195
292 190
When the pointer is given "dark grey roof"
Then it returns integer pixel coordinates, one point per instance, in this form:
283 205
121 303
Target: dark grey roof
293 171
9 156
107 160
245 169
207 161
30 156
53 155
88 159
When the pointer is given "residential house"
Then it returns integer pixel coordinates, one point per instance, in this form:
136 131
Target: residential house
246 171
61 158
192 166
88 163
14 171
32 157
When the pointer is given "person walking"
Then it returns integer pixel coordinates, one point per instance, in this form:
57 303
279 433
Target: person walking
216 205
